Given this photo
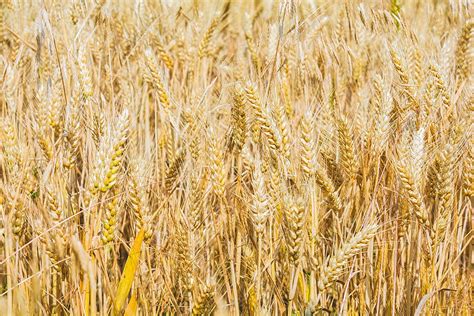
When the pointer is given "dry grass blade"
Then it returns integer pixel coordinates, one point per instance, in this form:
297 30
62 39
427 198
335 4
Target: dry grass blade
128 273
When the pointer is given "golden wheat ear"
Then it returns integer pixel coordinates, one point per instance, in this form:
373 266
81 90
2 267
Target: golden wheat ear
236 157
336 264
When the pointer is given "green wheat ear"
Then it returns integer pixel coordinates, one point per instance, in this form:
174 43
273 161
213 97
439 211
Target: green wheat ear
395 7
34 194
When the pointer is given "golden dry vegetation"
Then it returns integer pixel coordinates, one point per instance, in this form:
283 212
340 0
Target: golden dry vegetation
248 157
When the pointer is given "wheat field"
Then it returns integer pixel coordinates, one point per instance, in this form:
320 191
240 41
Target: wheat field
236 157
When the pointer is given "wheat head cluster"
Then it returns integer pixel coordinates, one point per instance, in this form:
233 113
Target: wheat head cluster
247 157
